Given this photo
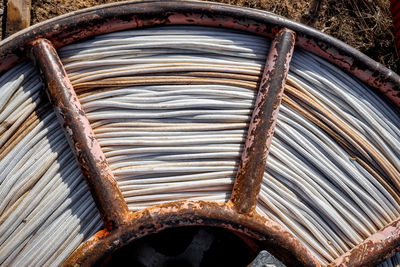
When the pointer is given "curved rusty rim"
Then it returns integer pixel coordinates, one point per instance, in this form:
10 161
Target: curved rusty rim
192 213
75 26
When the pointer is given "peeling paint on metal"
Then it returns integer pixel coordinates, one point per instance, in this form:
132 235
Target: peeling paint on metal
261 129
80 136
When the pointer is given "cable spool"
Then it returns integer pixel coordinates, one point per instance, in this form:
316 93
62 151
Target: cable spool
170 107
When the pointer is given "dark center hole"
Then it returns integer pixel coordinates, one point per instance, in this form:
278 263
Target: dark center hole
188 247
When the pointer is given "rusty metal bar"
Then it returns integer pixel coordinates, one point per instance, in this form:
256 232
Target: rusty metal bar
127 15
261 129
284 245
80 136
118 16
374 249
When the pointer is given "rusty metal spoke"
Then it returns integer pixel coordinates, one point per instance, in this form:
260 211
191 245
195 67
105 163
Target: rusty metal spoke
80 136
261 129
374 249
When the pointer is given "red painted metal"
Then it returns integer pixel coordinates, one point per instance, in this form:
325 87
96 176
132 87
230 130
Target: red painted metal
119 16
283 244
122 226
252 165
371 251
80 136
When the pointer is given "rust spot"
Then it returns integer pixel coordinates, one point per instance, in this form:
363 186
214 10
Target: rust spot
261 129
374 249
80 136
120 16
186 213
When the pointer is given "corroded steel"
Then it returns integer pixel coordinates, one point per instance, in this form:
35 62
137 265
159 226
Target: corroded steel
374 249
184 213
120 16
259 136
80 136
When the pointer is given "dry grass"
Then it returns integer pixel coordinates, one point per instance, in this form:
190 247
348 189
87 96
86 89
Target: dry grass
363 24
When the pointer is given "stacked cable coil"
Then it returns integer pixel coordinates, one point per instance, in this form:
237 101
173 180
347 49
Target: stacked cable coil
170 107
46 209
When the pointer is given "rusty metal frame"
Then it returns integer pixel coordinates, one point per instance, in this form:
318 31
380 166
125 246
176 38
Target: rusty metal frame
122 226
80 135
82 24
261 129
381 244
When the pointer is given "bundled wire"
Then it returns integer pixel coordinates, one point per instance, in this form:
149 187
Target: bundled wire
334 166
46 209
392 261
170 107
171 122
332 176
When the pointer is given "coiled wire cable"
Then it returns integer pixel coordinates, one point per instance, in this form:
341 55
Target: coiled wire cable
327 153
45 205
170 107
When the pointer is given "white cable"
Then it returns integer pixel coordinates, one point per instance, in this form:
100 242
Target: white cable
128 120
40 182
173 140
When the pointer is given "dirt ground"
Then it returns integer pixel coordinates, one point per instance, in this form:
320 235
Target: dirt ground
363 24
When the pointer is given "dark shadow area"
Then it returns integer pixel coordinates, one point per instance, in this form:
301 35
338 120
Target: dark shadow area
188 247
